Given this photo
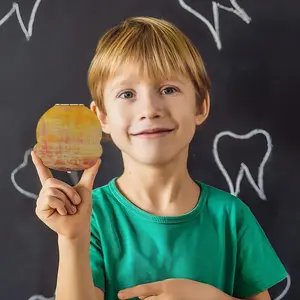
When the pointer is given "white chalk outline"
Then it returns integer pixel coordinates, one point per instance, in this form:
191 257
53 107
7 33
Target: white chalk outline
16 9
285 291
29 195
16 170
40 297
215 30
73 176
259 188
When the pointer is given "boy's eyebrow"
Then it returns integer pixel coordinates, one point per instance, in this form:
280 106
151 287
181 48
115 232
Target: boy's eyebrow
126 82
119 83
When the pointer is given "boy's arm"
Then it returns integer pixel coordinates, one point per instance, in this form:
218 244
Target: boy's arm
258 267
100 294
74 280
261 296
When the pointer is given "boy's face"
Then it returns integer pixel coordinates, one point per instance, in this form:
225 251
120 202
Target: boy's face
150 122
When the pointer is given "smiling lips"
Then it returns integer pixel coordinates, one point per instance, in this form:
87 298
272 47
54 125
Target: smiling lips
153 132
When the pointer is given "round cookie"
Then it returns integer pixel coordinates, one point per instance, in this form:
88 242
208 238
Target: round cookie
68 138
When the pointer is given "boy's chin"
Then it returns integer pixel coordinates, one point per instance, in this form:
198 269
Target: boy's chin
156 156
155 160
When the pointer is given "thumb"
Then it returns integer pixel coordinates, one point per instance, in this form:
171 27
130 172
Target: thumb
88 176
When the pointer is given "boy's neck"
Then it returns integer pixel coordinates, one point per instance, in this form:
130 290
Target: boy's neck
160 190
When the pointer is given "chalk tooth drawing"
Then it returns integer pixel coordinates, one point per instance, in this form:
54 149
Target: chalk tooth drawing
215 29
40 297
244 170
73 176
16 9
285 291
16 170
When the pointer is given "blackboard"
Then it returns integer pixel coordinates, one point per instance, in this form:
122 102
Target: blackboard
249 145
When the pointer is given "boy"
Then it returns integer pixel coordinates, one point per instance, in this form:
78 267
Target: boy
153 232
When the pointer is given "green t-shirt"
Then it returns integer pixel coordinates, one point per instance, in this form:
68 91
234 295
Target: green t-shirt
219 242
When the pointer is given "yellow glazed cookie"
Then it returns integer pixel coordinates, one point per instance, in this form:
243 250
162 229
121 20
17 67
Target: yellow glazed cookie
68 138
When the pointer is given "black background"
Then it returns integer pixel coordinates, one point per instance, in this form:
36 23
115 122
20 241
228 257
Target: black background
255 85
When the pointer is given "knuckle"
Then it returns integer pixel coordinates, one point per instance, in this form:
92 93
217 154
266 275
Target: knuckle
47 191
42 191
51 200
50 181
64 201
73 194
67 203
47 195
56 193
40 200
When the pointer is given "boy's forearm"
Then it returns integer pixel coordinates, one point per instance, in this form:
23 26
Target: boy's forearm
220 295
231 298
74 279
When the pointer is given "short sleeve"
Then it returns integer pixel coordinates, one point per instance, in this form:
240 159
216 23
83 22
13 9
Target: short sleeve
258 267
96 256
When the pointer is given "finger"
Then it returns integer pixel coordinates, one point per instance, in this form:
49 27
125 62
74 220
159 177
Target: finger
69 191
142 290
52 192
150 297
50 206
89 175
43 172
58 205
45 203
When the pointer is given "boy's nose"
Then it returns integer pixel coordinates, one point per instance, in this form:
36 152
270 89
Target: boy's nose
151 107
151 112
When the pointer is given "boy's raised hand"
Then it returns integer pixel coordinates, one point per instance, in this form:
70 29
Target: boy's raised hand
63 208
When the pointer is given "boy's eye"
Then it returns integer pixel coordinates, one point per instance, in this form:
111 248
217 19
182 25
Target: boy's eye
168 90
129 94
126 95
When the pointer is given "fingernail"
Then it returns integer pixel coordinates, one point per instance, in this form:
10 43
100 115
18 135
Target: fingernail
77 199
73 209
120 295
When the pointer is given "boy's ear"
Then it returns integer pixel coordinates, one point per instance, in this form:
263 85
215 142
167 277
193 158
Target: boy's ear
102 117
203 111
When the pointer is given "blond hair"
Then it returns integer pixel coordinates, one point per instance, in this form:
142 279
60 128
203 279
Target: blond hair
157 46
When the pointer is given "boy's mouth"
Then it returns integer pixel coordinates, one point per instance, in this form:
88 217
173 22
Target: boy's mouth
153 132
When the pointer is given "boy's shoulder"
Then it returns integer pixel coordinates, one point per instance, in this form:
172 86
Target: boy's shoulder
220 198
107 200
104 194
101 191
